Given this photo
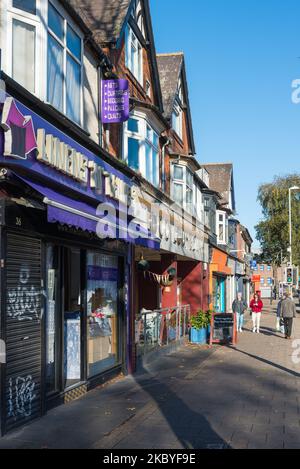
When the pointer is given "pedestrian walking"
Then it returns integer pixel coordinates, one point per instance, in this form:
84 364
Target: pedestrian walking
279 319
256 306
239 307
288 313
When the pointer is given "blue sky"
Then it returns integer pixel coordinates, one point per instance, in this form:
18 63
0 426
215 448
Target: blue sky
241 58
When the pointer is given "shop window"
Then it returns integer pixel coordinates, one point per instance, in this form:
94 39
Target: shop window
183 187
72 317
102 312
134 55
141 149
51 317
64 65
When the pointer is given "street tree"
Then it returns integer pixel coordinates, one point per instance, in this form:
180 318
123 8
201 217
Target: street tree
273 230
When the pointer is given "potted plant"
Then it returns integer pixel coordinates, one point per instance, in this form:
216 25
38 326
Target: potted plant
199 324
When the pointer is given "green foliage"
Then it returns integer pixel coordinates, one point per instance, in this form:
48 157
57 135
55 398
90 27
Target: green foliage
201 320
273 230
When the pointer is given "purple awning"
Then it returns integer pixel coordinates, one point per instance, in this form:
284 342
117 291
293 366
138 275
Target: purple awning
68 211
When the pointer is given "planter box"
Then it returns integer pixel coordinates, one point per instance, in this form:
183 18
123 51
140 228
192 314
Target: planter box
198 336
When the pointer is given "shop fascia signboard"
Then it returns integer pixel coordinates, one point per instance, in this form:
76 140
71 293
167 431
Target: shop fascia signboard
30 143
177 233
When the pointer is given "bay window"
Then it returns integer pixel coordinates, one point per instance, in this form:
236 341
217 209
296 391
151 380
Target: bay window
183 187
45 54
141 149
134 55
64 65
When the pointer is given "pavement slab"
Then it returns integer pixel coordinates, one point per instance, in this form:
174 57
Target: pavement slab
239 397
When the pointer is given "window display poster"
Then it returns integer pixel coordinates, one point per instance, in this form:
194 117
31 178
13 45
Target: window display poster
50 331
72 346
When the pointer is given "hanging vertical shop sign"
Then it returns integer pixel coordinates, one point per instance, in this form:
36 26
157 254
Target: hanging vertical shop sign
115 101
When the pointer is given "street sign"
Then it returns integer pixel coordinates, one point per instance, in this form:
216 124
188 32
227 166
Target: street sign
115 101
256 278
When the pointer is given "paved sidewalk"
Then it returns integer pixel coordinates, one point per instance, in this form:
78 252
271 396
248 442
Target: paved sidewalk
246 397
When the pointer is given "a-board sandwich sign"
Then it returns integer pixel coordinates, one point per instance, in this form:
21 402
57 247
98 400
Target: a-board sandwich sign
223 329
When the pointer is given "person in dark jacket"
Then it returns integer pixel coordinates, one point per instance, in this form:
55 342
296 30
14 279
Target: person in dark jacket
288 313
239 307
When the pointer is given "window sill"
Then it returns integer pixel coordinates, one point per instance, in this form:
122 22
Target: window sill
69 123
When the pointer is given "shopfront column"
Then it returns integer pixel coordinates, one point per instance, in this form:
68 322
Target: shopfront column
169 294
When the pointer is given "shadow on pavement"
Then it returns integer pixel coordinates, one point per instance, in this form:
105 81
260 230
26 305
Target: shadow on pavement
267 362
191 429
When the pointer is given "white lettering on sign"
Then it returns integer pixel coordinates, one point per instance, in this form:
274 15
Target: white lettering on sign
61 156
20 139
96 172
116 188
67 160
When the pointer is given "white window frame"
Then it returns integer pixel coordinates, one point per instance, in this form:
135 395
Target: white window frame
40 22
142 137
185 186
222 240
137 15
136 68
177 119
32 20
66 52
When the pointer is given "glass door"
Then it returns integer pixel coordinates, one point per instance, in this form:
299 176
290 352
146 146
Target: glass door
53 308
72 317
219 302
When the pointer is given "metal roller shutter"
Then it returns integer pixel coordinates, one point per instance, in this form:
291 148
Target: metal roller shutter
23 330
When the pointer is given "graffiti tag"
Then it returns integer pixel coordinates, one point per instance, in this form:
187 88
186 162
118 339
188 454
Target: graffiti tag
21 395
24 300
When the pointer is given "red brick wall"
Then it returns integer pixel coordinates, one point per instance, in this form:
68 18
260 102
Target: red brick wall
194 286
117 56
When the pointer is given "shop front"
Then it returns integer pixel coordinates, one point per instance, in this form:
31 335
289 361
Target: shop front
220 274
66 264
172 281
